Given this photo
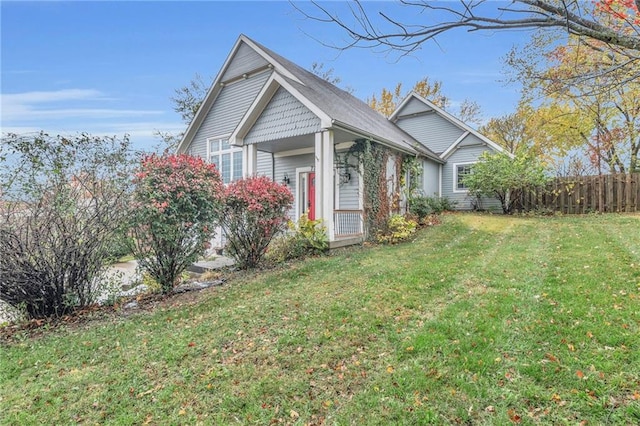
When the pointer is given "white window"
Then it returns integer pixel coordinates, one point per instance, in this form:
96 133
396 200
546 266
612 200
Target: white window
459 172
227 158
416 180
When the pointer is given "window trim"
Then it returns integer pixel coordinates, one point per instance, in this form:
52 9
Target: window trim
455 176
231 150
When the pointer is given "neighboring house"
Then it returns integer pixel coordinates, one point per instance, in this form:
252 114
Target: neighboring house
265 115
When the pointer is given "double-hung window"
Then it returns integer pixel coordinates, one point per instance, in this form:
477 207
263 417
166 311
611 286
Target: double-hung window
227 158
459 173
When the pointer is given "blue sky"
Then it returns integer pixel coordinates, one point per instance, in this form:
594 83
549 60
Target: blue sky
111 67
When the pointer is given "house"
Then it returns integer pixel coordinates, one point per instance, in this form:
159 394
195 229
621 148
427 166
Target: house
265 115
457 145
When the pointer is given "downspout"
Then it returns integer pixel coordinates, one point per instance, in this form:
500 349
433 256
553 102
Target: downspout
440 180
273 167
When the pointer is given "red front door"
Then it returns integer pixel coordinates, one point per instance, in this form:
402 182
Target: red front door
311 200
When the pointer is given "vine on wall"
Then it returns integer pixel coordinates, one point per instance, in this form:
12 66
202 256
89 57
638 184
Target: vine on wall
372 159
383 194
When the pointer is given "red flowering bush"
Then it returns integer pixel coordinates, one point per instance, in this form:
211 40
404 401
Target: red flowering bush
254 211
176 204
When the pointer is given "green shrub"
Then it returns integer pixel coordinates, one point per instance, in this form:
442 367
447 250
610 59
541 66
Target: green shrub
399 229
420 206
440 204
305 238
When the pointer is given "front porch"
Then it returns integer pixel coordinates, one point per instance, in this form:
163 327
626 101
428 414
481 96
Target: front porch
313 167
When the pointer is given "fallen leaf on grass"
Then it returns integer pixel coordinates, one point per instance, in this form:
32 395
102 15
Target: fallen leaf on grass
551 358
580 374
513 416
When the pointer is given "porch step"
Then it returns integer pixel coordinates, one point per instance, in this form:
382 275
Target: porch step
348 241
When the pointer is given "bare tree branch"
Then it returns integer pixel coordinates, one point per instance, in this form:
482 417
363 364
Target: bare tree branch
474 15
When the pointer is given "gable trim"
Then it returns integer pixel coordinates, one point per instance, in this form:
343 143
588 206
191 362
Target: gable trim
454 145
447 116
258 106
281 69
209 98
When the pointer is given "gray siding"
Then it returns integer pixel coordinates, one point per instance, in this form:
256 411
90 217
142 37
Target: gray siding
430 178
265 164
245 60
466 154
414 106
348 192
283 117
473 140
431 130
232 103
289 165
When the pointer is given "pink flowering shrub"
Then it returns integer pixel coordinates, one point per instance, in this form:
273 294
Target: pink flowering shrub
254 211
176 202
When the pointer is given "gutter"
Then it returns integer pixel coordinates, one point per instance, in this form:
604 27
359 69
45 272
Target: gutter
387 143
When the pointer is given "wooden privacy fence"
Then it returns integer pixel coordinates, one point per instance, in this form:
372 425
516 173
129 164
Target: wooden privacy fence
585 194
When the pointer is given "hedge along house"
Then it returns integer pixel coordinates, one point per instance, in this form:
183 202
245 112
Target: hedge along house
343 161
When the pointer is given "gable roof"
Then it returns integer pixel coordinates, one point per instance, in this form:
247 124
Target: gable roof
342 109
468 130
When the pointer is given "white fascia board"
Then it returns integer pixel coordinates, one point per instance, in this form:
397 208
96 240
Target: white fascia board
269 58
454 145
405 101
293 152
208 100
269 89
325 120
254 111
456 122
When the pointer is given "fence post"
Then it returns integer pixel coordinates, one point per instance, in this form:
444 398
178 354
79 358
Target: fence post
627 193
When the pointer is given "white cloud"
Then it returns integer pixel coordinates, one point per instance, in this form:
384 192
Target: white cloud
71 111
37 106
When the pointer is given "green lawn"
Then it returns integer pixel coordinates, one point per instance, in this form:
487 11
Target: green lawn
482 320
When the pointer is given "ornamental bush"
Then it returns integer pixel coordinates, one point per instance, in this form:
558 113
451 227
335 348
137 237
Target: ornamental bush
399 229
254 211
305 238
63 202
505 177
176 202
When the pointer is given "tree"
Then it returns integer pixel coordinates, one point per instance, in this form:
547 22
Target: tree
509 131
176 201
389 100
582 107
255 210
581 19
504 177
63 202
186 101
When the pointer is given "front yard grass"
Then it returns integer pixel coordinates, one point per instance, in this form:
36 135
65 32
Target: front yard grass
482 320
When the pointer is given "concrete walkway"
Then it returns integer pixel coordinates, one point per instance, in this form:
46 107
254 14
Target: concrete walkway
218 262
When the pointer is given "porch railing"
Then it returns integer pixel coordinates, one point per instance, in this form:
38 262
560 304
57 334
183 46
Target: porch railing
347 223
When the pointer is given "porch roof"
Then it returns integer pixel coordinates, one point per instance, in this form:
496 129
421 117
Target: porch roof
345 111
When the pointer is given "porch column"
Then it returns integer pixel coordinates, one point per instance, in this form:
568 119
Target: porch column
249 160
324 179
